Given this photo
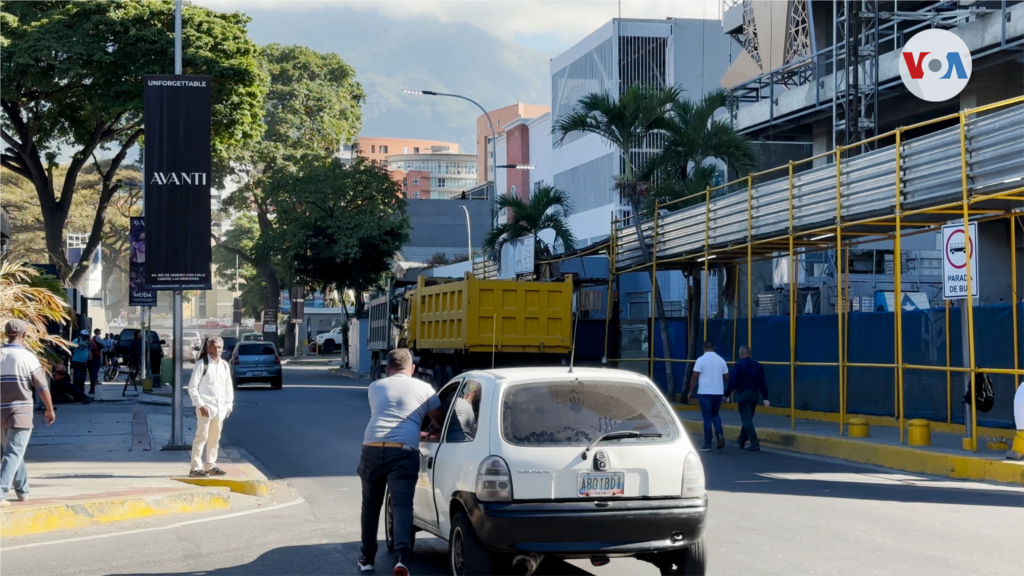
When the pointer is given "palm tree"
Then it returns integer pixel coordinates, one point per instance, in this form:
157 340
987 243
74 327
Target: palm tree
547 209
627 122
692 137
36 299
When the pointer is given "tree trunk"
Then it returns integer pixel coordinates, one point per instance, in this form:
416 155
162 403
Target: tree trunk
658 302
273 295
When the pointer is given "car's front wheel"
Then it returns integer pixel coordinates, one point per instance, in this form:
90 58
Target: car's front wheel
690 561
467 556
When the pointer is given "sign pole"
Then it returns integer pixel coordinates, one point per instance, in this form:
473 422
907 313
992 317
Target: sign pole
177 425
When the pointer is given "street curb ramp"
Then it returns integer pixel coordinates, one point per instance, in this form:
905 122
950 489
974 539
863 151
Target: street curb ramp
23 520
243 479
894 457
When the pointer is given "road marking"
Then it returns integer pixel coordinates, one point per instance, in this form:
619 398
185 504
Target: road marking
154 529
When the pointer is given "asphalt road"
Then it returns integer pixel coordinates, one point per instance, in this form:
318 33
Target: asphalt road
770 512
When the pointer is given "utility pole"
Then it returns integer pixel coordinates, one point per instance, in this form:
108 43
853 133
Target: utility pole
177 425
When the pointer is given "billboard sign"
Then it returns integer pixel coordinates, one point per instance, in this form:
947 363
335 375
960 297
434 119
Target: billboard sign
138 295
178 178
957 250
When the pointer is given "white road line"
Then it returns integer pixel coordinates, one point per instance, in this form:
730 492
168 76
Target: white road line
168 527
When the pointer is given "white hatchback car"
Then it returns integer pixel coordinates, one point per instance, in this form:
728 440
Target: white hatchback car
535 462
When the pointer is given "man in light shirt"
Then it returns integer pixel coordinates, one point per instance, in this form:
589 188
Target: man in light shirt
708 382
213 397
390 459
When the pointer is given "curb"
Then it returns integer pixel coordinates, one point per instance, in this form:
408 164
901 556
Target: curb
252 482
894 457
347 373
65 514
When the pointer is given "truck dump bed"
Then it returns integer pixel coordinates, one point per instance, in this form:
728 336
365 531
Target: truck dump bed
533 317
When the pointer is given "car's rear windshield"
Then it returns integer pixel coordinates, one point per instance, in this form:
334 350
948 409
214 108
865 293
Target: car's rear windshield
577 413
255 349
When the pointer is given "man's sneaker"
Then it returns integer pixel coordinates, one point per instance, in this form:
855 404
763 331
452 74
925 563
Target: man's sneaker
216 472
400 568
705 448
365 565
22 497
754 448
5 503
742 444
721 442
198 474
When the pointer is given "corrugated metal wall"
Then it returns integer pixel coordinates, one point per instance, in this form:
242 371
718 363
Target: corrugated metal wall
590 184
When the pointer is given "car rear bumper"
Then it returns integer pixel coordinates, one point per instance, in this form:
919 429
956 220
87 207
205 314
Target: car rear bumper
246 374
589 526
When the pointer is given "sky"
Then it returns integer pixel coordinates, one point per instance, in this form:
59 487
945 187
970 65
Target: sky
545 26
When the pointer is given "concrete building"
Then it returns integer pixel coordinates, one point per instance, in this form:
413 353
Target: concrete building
501 118
441 227
441 175
377 149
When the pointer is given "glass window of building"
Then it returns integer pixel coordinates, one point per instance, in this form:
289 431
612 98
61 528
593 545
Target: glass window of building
415 149
441 183
416 194
415 181
383 149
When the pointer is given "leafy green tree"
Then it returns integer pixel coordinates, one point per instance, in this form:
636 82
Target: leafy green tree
627 122
244 234
344 224
312 106
72 80
547 209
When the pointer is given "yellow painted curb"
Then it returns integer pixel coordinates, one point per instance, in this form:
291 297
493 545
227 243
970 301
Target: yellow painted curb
254 483
35 519
895 457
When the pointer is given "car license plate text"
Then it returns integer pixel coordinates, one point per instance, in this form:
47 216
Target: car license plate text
601 484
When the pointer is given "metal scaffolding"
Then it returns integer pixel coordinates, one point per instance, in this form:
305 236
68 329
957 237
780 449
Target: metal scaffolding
972 171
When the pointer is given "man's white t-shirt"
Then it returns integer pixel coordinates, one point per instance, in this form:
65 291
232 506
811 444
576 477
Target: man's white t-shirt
710 368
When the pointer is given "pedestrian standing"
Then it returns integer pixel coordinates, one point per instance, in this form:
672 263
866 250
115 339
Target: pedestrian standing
213 397
748 381
20 374
95 359
390 459
710 373
80 359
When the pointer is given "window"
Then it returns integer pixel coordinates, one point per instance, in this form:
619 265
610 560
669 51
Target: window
256 349
441 183
405 182
577 413
415 181
373 148
383 149
416 194
512 191
384 163
462 421
415 149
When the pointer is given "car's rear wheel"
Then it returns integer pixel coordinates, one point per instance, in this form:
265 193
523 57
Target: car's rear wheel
276 383
467 556
691 561
389 526
328 346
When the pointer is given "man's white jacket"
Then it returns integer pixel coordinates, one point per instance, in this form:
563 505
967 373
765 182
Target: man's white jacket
210 387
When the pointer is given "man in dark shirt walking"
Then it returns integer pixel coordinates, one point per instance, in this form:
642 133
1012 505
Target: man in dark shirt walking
747 380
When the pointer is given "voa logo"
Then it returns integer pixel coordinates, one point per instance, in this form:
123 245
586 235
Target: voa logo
935 65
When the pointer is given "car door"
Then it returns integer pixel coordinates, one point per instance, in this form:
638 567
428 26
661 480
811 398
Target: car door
423 507
464 445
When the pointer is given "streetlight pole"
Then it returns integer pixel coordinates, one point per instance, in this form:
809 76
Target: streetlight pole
177 424
469 236
494 138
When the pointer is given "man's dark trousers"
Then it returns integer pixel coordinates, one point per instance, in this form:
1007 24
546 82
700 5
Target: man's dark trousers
746 403
397 470
79 371
94 374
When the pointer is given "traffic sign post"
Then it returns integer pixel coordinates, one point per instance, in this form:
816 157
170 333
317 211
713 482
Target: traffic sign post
957 251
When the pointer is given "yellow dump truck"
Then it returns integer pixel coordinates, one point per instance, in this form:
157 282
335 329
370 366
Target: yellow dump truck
456 325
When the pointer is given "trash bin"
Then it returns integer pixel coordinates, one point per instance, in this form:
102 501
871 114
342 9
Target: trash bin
919 432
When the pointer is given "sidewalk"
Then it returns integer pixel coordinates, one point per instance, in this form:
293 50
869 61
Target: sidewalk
102 462
883 448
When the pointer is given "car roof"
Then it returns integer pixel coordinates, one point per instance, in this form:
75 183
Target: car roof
512 375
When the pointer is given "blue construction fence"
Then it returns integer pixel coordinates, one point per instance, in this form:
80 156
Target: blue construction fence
870 340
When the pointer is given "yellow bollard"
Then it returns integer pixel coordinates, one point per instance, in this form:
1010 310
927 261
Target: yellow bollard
919 432
1016 451
858 428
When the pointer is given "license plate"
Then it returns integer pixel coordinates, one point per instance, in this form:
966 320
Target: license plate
593 484
258 373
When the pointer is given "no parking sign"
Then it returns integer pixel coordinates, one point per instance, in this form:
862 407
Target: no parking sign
956 251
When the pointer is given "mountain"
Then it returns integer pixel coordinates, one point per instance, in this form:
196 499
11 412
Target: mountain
391 54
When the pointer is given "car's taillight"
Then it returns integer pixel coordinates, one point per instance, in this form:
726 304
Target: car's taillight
493 480
693 476
234 360
277 359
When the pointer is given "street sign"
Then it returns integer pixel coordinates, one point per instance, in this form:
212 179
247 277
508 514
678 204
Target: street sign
956 252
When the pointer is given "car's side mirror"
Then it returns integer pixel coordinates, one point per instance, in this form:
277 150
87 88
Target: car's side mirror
162 342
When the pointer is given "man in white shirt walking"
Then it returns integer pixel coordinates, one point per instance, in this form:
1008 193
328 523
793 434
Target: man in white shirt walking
213 397
390 459
710 373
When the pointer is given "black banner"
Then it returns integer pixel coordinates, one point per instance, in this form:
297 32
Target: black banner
236 312
178 178
137 293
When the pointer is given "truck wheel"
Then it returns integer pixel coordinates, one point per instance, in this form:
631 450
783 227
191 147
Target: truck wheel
439 380
691 561
449 373
389 527
328 346
466 554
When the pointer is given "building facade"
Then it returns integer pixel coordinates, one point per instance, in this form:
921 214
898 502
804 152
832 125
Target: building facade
501 118
378 149
433 176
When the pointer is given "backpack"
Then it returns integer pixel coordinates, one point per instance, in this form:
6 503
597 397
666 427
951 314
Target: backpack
984 397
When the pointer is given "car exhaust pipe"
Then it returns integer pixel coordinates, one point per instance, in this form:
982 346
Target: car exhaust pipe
529 561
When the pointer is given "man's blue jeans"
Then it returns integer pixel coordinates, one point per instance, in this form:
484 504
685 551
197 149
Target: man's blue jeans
396 470
710 404
12 471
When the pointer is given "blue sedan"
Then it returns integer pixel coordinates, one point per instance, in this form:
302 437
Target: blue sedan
256 362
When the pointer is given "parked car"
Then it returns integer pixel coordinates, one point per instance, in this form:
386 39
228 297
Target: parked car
124 343
252 337
330 341
189 341
229 347
256 362
583 463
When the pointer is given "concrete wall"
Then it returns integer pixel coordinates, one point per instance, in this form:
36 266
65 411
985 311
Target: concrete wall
358 354
441 225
